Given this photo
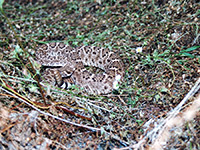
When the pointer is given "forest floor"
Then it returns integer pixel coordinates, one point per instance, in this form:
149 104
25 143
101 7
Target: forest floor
159 44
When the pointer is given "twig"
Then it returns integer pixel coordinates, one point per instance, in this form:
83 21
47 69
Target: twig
159 129
188 114
50 115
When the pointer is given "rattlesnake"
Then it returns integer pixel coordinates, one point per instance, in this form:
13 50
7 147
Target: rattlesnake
64 61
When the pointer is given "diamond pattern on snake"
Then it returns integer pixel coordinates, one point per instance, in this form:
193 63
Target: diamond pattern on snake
64 61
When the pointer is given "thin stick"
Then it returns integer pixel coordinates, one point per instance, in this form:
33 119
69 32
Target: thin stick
159 129
50 115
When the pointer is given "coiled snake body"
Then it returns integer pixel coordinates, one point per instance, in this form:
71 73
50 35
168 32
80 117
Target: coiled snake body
70 62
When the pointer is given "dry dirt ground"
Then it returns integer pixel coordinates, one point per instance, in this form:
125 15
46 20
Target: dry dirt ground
156 78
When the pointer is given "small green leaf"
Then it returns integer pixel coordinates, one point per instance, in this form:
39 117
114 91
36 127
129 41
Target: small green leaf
1 4
180 62
18 49
164 53
163 89
188 55
190 49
